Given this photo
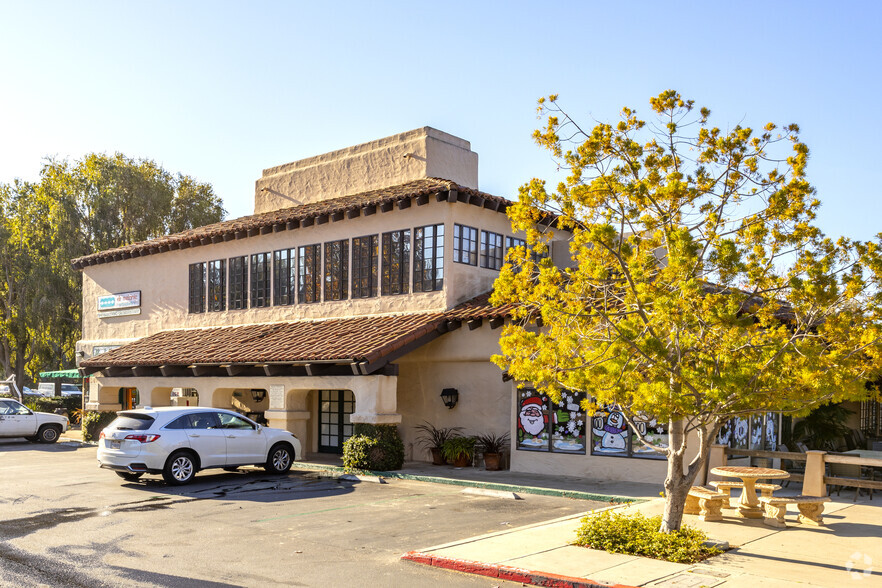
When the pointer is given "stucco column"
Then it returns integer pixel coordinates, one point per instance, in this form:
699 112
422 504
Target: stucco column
376 400
813 482
295 421
288 410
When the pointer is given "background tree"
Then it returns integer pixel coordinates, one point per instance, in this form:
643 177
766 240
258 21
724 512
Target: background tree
98 202
698 286
28 282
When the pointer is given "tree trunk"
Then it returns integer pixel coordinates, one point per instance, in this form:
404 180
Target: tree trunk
678 483
676 487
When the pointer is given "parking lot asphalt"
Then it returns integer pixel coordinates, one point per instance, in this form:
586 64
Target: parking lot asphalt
65 522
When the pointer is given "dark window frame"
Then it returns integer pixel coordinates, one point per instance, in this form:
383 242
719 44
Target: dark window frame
284 277
465 244
260 281
217 285
365 266
492 253
428 258
197 292
395 263
336 270
309 275
238 282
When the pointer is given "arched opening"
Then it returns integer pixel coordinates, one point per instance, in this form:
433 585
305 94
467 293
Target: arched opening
251 402
129 398
159 396
184 397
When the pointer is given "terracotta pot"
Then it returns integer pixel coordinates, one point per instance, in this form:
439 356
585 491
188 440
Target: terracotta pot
492 461
463 460
437 458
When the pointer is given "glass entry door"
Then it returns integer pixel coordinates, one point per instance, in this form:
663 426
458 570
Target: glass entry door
335 407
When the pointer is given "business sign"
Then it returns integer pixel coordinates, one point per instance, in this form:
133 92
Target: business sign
118 301
120 312
99 349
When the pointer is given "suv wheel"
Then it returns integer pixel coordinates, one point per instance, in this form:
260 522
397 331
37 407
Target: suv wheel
179 469
279 459
48 434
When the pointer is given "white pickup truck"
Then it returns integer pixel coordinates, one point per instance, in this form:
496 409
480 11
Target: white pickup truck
17 420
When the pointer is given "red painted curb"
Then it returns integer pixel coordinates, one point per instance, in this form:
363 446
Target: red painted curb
505 572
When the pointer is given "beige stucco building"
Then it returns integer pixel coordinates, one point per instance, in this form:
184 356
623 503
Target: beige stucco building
357 292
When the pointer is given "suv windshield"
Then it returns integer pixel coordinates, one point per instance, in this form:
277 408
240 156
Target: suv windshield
132 421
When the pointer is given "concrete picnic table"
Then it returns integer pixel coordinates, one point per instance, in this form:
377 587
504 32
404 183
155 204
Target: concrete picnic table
748 504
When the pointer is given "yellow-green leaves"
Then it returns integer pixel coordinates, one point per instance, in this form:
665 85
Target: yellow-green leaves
697 284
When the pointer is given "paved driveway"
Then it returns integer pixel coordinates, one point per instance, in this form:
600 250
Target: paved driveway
64 522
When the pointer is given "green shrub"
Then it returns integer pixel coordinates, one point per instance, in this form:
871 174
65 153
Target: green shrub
373 448
94 421
457 447
50 403
636 534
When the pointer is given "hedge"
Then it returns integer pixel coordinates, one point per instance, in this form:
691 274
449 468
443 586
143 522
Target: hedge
373 448
94 421
51 403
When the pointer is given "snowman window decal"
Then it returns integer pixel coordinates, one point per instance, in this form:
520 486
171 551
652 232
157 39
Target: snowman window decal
610 432
613 436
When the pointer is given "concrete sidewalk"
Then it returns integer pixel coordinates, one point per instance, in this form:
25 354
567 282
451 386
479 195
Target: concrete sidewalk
847 551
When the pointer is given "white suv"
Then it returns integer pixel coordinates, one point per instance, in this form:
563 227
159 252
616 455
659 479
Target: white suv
17 420
179 441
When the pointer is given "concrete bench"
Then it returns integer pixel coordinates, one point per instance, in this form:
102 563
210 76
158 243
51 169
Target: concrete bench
810 509
706 503
726 487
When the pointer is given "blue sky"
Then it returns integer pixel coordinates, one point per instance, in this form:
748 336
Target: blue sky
221 90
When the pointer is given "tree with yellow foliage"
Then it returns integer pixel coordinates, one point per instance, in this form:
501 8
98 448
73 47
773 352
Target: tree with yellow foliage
698 288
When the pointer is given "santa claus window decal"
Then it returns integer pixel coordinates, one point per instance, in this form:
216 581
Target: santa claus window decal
545 425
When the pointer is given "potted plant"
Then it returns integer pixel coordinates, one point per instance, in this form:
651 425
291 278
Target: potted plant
493 446
459 451
433 438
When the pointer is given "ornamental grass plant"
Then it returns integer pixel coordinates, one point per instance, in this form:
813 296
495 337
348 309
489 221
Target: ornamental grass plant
637 534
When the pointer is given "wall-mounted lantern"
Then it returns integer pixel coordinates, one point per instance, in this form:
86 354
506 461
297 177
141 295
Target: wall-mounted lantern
258 395
450 396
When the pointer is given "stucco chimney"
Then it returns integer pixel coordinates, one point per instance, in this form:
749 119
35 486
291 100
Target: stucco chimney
421 153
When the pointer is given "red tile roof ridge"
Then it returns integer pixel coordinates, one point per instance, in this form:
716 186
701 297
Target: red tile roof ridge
284 216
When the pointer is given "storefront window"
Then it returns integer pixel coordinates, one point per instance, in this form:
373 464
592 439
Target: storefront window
545 425
612 436
759 431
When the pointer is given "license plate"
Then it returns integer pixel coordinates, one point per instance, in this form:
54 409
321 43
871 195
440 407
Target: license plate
114 444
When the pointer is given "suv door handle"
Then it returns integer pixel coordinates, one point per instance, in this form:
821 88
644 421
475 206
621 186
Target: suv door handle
194 435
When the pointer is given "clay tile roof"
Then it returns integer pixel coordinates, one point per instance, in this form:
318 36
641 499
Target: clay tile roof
296 216
344 340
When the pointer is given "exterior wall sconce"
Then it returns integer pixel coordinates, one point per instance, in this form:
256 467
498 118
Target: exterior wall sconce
450 396
258 395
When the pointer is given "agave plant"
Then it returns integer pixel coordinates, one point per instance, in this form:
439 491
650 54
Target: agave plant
493 443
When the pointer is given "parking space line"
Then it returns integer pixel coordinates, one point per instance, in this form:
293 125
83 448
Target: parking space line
323 510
